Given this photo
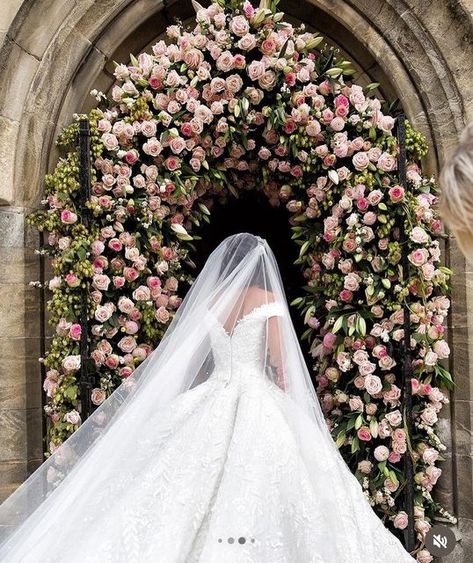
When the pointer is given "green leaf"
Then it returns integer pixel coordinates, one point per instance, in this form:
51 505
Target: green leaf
304 248
371 86
204 208
283 49
351 423
374 427
310 311
355 445
393 477
340 439
359 422
338 325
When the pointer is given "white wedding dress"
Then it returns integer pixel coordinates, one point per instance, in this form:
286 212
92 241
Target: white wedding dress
230 471
222 479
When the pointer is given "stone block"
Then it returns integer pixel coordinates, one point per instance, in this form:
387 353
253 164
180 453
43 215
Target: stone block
16 79
36 141
464 466
463 427
12 227
12 475
44 19
20 434
8 136
20 383
8 13
19 309
461 363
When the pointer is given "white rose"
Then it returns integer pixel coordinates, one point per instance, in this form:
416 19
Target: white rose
442 349
429 416
394 418
381 453
373 384
103 313
73 417
71 363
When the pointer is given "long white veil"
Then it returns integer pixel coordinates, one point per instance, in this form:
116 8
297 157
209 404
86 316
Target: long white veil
240 276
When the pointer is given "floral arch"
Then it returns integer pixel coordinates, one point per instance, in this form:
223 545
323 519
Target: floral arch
247 101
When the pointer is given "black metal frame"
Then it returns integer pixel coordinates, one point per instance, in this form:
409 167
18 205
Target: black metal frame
406 387
86 380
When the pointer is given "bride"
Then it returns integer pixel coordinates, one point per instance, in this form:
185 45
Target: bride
215 450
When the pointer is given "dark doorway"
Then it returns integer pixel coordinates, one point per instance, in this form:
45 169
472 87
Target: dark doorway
252 213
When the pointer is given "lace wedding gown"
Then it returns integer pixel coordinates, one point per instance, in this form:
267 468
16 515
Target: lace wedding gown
219 477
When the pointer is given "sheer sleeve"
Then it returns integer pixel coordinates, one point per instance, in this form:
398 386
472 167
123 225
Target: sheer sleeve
274 312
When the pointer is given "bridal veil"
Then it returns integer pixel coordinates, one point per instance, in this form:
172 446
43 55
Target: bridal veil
240 277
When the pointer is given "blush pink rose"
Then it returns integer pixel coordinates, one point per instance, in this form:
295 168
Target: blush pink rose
364 434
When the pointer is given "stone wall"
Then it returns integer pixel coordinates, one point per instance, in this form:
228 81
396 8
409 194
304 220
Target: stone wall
53 52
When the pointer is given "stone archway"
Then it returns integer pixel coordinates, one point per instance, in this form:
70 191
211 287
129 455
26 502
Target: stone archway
50 63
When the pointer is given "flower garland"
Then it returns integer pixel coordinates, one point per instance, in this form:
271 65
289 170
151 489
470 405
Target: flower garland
247 101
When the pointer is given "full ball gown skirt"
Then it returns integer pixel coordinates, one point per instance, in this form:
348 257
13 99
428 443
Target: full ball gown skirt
219 476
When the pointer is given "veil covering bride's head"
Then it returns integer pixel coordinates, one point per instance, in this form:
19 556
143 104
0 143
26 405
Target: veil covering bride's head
240 277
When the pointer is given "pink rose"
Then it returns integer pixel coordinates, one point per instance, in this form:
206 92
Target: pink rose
392 395
177 145
103 313
396 193
193 58
346 295
356 404
71 363
73 417
142 293
112 361
225 61
162 315
131 327
239 25
442 349
419 257
429 416
423 556
256 69
337 124
364 434
386 162
72 280
125 371
373 384
365 466
172 163
68 217
110 141
97 396
75 331
127 344
268 80
130 274
381 453
401 520
394 418
375 197
247 42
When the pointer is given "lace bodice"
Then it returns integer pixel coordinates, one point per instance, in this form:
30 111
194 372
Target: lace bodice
244 350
